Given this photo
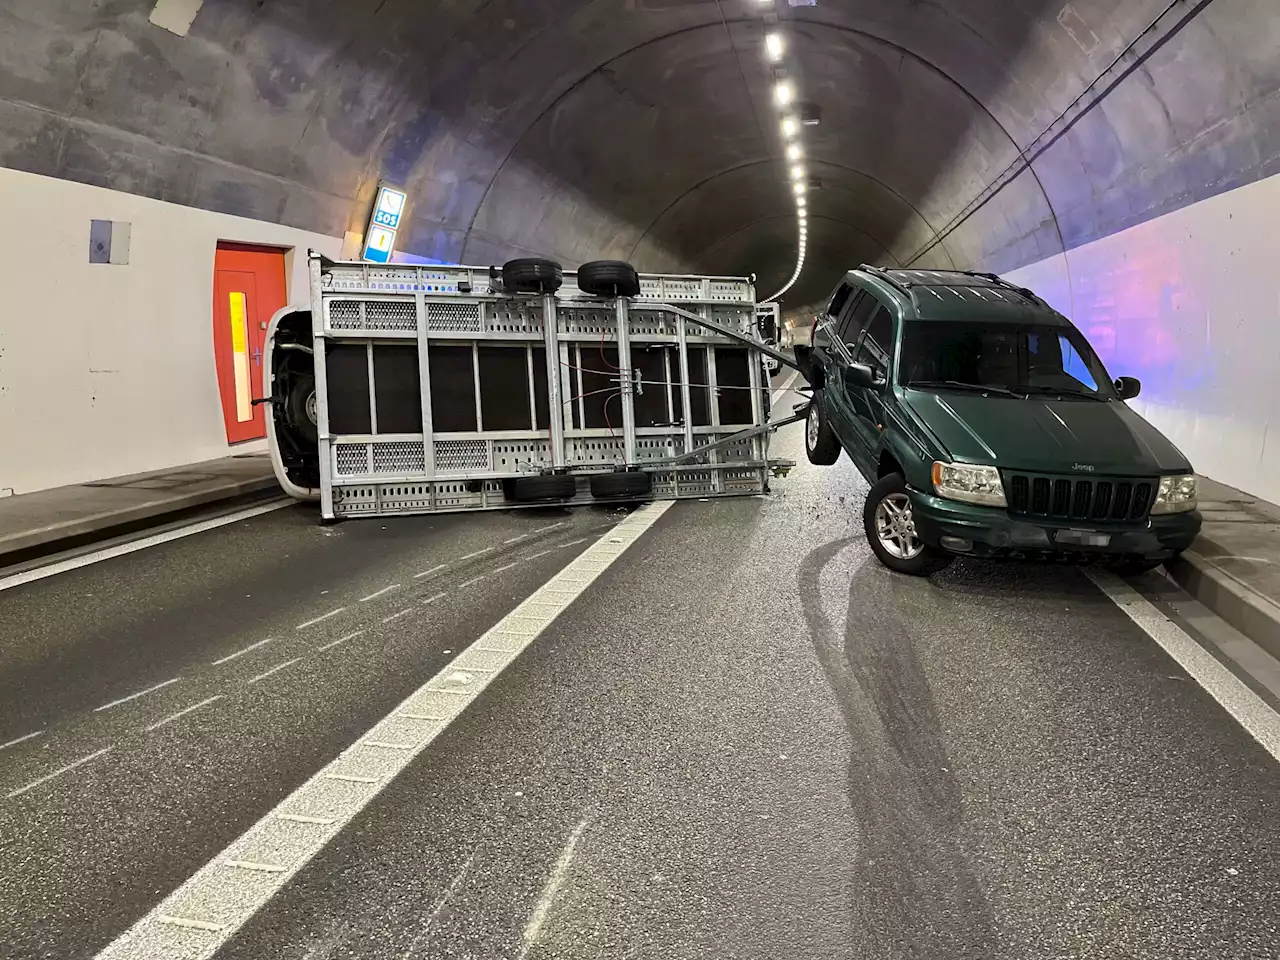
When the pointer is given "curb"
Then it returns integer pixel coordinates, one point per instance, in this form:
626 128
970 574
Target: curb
1243 608
101 526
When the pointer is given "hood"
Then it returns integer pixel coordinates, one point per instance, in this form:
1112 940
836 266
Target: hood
1045 435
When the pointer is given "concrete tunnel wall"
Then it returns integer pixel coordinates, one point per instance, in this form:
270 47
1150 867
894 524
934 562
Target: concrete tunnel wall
1054 141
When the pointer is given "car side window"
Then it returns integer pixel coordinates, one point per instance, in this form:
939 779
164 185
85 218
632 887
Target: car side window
856 319
839 301
845 329
878 343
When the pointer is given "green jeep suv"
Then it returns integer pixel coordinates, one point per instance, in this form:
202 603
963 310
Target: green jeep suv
988 427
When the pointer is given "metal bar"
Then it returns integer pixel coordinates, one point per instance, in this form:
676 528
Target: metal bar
323 451
475 382
578 388
373 393
683 338
713 391
728 441
424 385
730 333
551 339
627 382
533 395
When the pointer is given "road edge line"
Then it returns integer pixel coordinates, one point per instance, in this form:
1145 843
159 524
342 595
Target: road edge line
1248 709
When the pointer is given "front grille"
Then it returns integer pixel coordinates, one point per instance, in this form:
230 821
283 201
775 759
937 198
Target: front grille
1060 498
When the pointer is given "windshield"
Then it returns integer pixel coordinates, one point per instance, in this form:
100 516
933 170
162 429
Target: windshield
1037 359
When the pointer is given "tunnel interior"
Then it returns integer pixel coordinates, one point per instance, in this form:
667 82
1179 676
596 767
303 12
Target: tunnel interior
648 130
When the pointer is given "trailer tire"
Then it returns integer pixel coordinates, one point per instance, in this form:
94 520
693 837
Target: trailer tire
627 484
300 409
609 278
541 488
532 276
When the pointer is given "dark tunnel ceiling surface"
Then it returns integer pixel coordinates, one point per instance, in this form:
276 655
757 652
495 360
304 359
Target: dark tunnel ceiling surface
641 129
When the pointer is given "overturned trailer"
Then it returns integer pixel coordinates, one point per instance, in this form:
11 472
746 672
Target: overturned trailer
422 389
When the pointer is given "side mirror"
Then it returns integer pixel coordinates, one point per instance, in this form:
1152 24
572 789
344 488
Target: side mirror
861 375
1128 387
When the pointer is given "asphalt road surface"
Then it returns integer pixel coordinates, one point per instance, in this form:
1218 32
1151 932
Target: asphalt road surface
744 739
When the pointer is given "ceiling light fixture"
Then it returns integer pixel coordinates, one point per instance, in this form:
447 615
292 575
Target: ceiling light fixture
773 46
783 93
794 152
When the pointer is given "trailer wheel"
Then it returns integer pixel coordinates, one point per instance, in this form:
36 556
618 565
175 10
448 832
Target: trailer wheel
621 485
541 488
532 276
302 409
609 278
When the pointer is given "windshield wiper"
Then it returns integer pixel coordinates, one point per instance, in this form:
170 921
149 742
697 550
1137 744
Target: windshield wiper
959 385
1055 392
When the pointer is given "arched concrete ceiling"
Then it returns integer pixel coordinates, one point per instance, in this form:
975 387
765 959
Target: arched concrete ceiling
644 129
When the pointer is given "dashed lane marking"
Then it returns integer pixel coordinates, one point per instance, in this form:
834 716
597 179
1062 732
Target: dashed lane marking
241 653
381 593
330 614
276 669
349 636
523 536
504 569
478 553
135 696
23 739
59 772
182 713
1248 709
206 894
427 573
472 582
397 616
430 600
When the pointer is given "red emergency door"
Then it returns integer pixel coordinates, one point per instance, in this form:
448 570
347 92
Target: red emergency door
248 288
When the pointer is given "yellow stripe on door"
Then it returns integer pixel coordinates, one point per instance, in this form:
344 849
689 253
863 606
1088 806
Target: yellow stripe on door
240 358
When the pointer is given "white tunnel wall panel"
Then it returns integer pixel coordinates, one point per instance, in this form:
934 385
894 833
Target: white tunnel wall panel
108 370
1190 304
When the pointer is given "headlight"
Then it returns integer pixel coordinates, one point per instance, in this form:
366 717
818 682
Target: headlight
1177 494
969 484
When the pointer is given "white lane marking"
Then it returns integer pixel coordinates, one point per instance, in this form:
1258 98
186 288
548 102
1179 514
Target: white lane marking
785 388
120 550
427 573
381 593
388 745
206 893
472 582
190 924
1248 709
241 653
554 526
430 600
23 739
573 544
135 696
509 566
182 713
330 646
59 772
542 909
312 623
303 818
256 867
396 616
429 718
523 536
536 556
276 669
478 553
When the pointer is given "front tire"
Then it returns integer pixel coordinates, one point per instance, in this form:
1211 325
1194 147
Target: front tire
820 441
891 531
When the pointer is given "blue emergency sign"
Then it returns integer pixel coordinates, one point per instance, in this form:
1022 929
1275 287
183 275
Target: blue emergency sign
388 211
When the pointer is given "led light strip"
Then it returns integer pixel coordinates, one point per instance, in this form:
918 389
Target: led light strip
784 98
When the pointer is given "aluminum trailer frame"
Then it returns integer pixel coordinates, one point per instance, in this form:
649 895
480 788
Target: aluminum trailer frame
684 340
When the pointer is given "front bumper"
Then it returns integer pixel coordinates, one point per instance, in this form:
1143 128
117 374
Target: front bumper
992 532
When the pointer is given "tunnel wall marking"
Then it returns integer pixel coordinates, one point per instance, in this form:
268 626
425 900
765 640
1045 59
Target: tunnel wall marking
204 912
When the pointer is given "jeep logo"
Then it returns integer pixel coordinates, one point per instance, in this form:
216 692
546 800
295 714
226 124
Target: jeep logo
1086 467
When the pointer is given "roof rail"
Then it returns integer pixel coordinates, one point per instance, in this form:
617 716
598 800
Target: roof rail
880 273
1001 281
